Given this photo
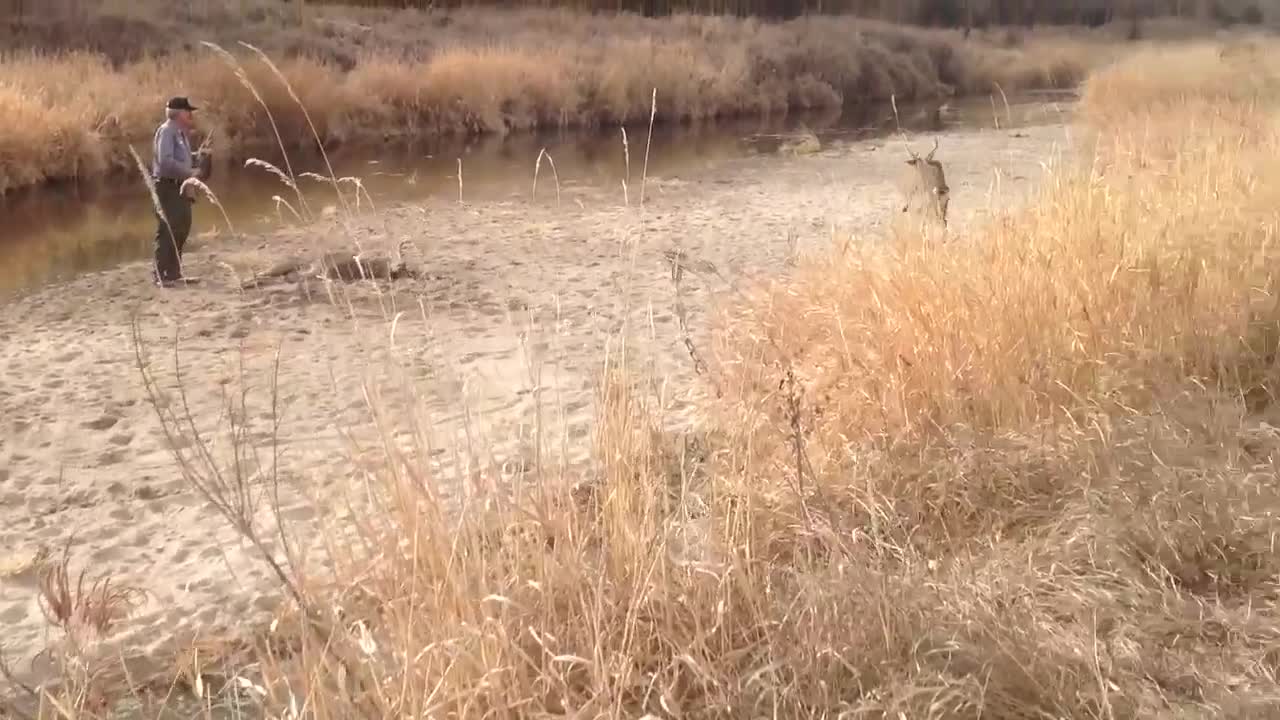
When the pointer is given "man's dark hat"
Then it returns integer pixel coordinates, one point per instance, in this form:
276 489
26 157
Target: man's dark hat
180 103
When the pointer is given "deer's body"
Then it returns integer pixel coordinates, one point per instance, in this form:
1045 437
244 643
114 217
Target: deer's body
341 266
923 185
347 267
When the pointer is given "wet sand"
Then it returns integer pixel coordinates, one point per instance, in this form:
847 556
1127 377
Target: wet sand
507 324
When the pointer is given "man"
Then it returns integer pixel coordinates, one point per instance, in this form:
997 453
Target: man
173 164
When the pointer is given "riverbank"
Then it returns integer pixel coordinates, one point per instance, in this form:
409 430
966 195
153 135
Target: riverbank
395 74
56 236
502 337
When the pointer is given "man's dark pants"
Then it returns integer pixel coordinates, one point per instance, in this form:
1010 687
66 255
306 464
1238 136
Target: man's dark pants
171 236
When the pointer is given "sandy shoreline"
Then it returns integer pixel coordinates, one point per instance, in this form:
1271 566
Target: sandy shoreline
513 312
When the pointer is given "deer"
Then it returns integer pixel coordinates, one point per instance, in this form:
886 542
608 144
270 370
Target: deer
923 185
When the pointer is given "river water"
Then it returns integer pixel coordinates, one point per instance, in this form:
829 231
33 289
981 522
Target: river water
50 235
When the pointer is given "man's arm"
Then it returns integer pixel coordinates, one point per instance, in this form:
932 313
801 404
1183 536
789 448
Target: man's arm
167 157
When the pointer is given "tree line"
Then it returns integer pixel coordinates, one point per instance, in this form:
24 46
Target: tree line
936 13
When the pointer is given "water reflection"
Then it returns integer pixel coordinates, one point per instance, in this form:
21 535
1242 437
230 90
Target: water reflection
53 234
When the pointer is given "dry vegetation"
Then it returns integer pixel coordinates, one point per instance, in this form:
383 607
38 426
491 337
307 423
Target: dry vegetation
1028 473
370 75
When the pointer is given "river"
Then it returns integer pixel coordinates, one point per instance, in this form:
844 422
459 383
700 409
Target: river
52 234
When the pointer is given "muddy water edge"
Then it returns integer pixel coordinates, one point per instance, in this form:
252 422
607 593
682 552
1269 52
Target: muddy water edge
52 234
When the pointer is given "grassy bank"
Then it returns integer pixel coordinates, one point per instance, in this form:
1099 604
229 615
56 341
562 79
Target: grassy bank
374 75
1027 473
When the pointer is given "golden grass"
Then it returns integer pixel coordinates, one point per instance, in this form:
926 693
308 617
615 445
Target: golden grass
1027 473
1232 74
1154 265
78 111
1024 473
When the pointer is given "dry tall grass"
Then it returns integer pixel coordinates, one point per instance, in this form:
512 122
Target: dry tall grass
413 74
1026 473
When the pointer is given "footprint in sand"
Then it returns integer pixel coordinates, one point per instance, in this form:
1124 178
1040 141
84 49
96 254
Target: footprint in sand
179 442
106 422
51 533
105 555
147 492
299 514
79 499
111 457
202 585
